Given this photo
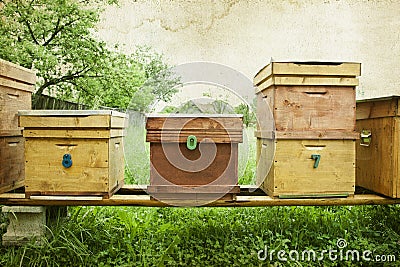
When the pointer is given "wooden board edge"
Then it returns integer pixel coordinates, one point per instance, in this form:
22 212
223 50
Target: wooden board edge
11 186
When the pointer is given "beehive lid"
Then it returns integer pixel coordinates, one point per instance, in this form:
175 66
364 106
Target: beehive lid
219 128
388 106
72 119
308 73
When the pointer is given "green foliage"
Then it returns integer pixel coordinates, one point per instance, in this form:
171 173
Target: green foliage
249 118
56 38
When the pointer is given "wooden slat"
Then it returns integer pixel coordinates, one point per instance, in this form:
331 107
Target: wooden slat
95 121
71 113
220 170
12 100
376 163
66 133
8 83
292 172
117 163
312 108
12 186
193 122
307 135
13 199
263 74
45 173
307 81
16 72
207 189
5 133
11 162
200 139
308 68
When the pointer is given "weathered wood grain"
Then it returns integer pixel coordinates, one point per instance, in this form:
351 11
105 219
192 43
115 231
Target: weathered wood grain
308 68
16 72
292 171
11 163
378 163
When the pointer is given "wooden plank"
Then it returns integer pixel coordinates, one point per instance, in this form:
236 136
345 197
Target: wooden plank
206 189
293 173
44 171
206 138
313 108
376 162
11 186
72 133
91 121
50 151
65 122
53 180
11 100
307 135
12 84
221 170
194 122
66 198
308 68
377 108
396 157
170 132
6 133
13 199
263 74
307 81
71 113
16 72
11 163
117 163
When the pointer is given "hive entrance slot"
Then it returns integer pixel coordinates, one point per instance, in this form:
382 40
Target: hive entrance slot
318 63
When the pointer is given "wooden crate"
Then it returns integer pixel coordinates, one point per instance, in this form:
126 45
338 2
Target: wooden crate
178 171
291 171
93 139
316 97
11 162
378 166
16 87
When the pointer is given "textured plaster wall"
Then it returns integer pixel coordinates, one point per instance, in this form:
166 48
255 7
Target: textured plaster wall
246 34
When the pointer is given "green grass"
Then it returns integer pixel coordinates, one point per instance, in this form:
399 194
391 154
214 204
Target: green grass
139 236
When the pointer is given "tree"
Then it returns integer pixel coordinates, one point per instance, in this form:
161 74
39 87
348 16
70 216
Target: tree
56 38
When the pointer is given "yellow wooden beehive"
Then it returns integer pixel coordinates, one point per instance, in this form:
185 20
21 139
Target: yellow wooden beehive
16 87
73 152
311 151
378 150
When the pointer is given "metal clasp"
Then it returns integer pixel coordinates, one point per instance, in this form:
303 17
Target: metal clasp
366 136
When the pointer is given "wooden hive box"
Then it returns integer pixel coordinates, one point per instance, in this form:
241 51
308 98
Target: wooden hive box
309 96
306 167
12 162
182 167
378 150
16 87
73 152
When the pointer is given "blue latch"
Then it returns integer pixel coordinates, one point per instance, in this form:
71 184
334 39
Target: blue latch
67 161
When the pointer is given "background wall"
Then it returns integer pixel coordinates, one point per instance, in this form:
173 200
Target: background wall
246 34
